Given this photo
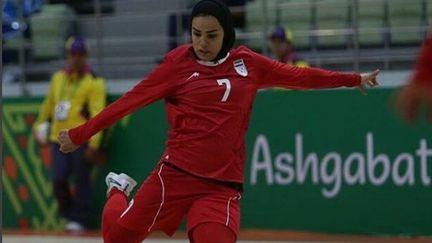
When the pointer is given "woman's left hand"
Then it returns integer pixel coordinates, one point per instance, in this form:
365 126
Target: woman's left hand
368 79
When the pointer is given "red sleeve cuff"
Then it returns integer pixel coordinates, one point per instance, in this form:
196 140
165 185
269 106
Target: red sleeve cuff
354 80
74 136
358 80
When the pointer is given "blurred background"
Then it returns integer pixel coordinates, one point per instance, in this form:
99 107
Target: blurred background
332 163
128 38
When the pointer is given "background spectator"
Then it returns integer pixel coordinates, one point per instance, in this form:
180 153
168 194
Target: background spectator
75 95
281 41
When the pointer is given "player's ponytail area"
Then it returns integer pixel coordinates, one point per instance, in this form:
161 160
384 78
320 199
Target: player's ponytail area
246 236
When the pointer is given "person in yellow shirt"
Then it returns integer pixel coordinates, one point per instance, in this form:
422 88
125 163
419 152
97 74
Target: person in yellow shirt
281 42
75 95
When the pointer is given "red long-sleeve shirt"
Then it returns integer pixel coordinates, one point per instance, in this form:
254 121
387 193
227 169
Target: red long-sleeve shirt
209 106
423 70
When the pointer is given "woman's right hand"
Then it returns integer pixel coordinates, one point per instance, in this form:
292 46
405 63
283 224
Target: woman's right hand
66 144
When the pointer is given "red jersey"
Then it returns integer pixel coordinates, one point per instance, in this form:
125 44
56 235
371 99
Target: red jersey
208 105
423 73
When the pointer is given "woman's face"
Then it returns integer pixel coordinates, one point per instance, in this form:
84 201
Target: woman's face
207 37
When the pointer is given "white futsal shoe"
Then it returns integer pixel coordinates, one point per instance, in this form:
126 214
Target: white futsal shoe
73 226
122 182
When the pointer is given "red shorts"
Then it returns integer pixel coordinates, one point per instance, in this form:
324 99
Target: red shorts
169 195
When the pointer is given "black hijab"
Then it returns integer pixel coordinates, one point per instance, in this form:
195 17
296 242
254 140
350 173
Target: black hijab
222 13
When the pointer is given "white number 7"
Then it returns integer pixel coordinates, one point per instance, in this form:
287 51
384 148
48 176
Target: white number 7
227 83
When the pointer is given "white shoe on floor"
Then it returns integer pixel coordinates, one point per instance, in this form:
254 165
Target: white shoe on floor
74 226
122 182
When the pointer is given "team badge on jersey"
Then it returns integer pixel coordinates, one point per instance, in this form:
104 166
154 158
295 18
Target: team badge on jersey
240 67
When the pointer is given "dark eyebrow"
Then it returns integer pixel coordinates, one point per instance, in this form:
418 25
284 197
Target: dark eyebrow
197 30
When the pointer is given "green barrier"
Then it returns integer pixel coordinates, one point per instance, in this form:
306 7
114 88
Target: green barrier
337 161
27 191
326 161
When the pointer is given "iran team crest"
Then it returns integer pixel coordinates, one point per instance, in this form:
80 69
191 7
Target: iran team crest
240 67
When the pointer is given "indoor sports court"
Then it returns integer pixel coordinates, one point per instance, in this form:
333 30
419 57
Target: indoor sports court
270 120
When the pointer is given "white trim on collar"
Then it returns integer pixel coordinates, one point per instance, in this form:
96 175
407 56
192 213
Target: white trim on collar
213 64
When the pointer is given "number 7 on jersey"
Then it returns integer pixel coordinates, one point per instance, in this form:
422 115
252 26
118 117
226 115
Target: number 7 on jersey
227 84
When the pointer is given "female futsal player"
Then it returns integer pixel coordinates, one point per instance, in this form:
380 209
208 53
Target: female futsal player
418 92
209 89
